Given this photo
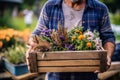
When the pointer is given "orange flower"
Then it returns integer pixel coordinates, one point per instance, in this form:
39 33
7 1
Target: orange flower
1 44
73 38
2 36
88 44
7 38
80 32
80 37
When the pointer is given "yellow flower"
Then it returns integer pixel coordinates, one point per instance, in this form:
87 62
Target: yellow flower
80 37
77 31
73 38
88 44
1 44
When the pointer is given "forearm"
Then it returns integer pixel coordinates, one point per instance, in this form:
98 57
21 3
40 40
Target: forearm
109 46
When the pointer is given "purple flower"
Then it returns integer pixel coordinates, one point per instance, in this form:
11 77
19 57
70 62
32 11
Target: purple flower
62 38
69 47
46 32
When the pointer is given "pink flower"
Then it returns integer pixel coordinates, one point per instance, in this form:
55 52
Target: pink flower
98 44
89 35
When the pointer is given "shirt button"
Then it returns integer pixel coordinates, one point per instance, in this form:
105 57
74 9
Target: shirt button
83 22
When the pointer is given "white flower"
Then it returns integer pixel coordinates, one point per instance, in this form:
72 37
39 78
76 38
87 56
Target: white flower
89 35
98 44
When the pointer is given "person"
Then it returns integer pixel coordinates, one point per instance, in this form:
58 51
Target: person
90 14
28 14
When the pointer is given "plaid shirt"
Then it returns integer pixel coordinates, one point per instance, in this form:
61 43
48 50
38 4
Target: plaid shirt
95 17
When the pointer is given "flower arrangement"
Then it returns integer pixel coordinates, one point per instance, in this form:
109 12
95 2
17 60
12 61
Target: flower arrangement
61 40
9 36
87 40
12 44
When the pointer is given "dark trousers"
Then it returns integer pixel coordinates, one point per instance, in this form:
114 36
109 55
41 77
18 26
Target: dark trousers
72 76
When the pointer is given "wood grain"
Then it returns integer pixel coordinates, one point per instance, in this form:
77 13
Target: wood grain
67 69
69 63
69 55
33 62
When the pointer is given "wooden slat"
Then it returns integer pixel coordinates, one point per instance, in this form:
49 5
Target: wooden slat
33 62
68 69
69 55
69 63
103 61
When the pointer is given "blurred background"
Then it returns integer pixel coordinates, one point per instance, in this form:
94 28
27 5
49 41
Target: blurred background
18 18
12 13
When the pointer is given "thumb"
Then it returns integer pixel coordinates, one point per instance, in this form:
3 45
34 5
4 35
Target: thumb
108 61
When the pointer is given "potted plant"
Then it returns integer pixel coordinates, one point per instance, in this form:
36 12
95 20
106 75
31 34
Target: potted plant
12 45
14 60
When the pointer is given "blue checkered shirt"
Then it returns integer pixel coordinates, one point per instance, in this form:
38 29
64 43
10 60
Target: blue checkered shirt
95 17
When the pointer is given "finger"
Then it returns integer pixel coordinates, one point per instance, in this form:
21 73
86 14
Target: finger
108 61
28 68
107 67
27 61
27 55
97 71
33 44
28 52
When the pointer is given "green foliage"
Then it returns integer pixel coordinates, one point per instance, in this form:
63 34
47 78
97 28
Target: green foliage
5 20
16 54
113 5
19 22
117 37
30 4
115 18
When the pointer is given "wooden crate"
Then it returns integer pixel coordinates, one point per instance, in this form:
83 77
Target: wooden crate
68 61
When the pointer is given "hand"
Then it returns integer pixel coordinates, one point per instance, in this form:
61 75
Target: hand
108 62
27 57
30 46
